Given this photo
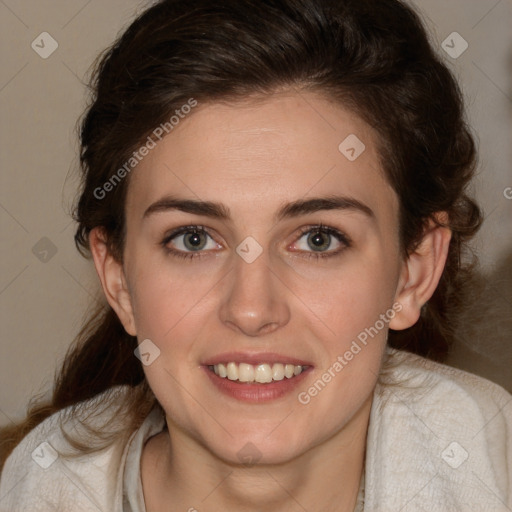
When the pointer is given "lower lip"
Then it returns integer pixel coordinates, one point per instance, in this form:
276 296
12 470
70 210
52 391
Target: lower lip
255 392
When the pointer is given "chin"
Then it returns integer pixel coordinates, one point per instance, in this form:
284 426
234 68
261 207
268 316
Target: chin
259 449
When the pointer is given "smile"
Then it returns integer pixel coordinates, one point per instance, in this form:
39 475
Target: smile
263 373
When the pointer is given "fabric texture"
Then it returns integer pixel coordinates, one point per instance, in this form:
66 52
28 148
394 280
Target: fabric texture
438 439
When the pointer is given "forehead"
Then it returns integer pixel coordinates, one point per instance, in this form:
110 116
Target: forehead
262 153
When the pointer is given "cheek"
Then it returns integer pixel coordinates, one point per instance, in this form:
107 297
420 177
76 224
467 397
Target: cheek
345 320
170 309
350 299
165 297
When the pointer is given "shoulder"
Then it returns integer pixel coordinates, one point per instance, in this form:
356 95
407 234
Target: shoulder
442 431
40 473
418 364
458 400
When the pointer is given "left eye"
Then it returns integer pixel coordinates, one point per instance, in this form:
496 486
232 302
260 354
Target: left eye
321 240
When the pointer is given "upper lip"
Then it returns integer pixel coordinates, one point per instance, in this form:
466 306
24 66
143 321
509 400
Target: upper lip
254 358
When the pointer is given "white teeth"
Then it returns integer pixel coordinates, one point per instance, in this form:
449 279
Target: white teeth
262 373
245 372
222 370
289 371
232 371
278 371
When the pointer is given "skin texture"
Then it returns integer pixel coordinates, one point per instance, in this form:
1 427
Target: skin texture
254 157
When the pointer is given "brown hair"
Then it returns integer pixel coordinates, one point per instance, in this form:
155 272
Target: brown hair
372 56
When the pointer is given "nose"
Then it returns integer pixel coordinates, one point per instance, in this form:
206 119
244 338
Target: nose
254 299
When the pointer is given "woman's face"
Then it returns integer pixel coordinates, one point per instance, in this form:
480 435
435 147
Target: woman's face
259 282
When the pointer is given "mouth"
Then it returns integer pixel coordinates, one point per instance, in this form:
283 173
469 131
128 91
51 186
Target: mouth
256 378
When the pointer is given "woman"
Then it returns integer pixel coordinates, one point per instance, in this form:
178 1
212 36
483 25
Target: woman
274 197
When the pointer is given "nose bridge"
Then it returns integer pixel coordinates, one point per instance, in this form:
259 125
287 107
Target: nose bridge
253 301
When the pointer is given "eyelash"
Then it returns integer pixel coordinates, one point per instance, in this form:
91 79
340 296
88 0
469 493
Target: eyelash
317 228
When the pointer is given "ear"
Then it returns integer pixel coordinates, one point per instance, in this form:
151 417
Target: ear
113 281
421 273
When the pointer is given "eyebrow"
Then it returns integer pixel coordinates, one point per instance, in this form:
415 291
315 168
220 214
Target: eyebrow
290 210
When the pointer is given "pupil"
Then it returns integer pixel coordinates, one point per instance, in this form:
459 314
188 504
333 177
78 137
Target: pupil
319 240
193 241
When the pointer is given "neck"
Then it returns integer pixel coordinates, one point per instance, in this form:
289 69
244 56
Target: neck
178 470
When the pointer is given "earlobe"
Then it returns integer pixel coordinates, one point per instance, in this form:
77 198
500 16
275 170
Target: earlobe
421 273
113 280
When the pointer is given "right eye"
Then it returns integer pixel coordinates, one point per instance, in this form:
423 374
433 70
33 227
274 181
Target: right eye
189 242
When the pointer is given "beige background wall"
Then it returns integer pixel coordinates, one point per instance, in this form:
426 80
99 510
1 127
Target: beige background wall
45 286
